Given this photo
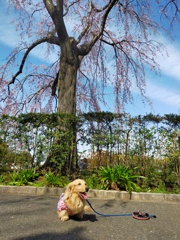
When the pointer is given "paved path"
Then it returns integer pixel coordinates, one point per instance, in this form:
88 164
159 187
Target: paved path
24 217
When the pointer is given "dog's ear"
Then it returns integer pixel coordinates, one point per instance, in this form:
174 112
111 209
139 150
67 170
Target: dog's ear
68 191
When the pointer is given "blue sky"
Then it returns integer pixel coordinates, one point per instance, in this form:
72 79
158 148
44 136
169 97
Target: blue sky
163 89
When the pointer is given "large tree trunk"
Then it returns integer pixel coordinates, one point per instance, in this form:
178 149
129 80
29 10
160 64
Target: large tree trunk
67 88
65 155
69 65
66 84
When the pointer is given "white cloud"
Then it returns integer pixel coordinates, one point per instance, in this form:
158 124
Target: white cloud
167 96
8 34
166 89
170 64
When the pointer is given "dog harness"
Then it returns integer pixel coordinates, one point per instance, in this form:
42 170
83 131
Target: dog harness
61 204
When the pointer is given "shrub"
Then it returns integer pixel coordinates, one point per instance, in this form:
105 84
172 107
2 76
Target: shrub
93 181
119 177
2 179
55 180
24 177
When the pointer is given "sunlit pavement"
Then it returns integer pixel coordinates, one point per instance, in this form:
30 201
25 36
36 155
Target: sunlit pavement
34 217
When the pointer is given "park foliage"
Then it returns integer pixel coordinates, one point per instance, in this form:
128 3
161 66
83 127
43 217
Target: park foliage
128 153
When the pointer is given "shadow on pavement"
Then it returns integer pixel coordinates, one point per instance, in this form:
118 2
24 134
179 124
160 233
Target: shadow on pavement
75 234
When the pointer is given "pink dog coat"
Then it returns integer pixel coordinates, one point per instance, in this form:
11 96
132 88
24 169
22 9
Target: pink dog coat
61 204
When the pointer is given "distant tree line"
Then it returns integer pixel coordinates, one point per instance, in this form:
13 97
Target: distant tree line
29 140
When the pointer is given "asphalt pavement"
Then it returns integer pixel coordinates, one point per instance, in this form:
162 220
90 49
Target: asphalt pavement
27 217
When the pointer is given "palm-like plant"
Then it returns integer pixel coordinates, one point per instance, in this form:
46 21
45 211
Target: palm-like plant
119 177
108 177
24 177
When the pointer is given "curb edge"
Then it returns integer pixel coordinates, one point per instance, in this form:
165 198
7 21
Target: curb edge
93 193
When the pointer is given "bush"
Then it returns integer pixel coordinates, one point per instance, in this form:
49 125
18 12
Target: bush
119 177
93 182
24 177
55 180
2 179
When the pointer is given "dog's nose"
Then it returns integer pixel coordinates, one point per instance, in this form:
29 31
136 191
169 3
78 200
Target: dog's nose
87 189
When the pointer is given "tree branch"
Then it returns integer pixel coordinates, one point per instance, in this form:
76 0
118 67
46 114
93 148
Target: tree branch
56 14
87 23
68 7
103 23
86 48
177 9
49 6
100 9
171 2
50 38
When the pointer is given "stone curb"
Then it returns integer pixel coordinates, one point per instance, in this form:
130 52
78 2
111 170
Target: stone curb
103 194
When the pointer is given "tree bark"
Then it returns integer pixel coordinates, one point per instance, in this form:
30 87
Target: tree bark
67 82
69 64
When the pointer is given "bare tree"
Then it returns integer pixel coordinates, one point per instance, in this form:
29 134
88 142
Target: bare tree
97 44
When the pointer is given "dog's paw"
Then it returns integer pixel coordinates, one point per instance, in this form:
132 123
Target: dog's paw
65 218
87 209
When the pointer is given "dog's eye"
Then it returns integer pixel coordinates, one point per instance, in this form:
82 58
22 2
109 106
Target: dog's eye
79 183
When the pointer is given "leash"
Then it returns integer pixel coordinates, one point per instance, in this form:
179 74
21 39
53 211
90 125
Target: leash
137 215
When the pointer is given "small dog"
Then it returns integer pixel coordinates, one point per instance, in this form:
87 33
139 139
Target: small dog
72 201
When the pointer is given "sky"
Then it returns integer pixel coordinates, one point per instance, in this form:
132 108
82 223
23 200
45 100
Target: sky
163 89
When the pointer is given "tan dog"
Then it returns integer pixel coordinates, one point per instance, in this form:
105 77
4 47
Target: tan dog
72 201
